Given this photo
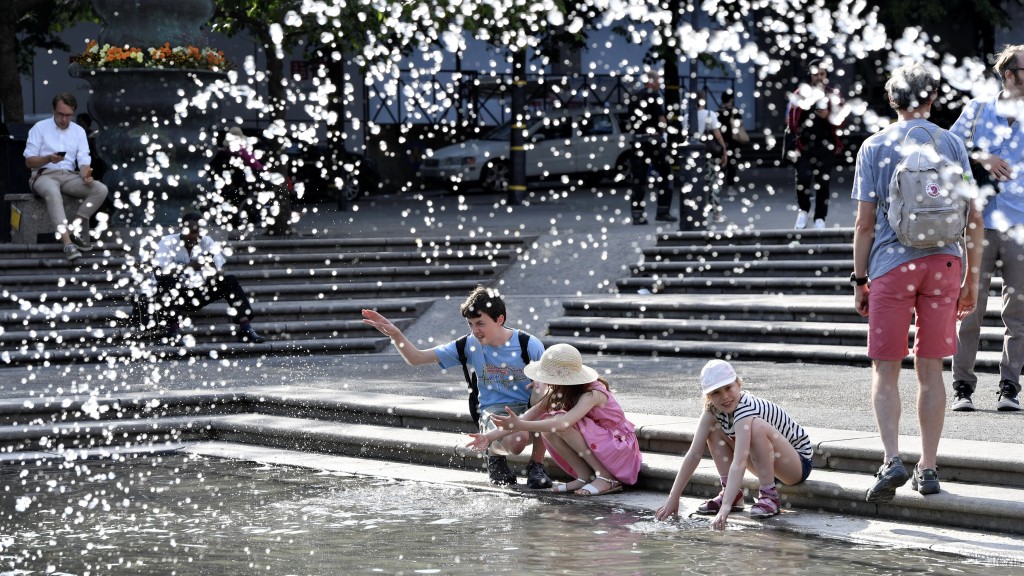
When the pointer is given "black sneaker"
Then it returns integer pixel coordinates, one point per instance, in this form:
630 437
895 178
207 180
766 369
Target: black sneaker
925 481
1007 397
499 472
83 242
962 397
536 476
891 476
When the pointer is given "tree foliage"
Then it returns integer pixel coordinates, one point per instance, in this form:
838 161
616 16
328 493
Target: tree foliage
26 27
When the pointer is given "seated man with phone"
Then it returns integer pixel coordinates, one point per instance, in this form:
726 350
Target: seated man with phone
54 145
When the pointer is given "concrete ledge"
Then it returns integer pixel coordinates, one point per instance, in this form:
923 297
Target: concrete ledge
35 226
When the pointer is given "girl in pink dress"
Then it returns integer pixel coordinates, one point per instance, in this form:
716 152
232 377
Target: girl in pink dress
583 427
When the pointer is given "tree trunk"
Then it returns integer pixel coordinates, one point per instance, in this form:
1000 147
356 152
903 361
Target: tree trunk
12 104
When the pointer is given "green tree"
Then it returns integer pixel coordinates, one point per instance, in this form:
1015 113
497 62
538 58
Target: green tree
275 25
27 26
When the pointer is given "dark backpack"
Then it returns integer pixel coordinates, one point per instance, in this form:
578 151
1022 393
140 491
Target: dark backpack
474 390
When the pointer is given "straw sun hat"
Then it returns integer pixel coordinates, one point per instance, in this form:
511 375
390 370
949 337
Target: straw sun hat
561 365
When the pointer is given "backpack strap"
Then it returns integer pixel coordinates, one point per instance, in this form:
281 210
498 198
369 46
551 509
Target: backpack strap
474 391
524 345
974 126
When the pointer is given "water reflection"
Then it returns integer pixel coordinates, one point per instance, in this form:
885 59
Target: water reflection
187 515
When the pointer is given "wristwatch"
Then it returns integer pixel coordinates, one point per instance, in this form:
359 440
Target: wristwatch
857 281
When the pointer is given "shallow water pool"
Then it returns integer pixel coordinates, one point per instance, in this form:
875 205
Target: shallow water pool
196 515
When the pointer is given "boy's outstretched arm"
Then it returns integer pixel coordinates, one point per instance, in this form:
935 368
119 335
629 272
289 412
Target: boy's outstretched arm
413 355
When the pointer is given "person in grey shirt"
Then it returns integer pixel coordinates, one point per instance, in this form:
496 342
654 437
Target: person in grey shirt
926 284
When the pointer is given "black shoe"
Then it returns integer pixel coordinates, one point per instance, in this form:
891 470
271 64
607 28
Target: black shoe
925 481
891 476
666 218
83 242
1007 397
962 397
250 335
639 220
536 476
499 472
171 337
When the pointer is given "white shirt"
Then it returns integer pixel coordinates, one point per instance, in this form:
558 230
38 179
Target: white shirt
707 120
46 138
170 252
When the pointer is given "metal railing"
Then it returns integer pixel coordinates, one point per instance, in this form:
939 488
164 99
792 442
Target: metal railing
483 99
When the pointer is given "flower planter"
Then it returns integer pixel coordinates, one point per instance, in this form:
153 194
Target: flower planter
155 133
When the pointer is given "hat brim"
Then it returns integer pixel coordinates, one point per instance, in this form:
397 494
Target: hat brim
585 375
719 384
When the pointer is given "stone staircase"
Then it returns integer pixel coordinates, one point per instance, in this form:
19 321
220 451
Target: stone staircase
780 295
982 487
306 292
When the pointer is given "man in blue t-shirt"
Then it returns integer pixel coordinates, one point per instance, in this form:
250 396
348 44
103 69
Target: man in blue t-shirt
496 357
991 128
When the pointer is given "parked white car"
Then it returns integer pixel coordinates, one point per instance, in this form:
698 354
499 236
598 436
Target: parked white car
586 143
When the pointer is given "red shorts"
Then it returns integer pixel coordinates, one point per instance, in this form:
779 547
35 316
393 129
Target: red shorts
929 287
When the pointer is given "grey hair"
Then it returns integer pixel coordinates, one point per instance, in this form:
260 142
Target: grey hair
912 86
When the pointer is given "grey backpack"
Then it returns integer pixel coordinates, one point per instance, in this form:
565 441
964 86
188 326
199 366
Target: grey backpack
928 196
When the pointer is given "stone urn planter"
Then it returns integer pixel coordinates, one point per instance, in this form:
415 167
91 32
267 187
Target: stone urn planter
155 124
155 135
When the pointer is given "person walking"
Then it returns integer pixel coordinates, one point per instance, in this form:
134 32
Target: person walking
735 137
990 129
813 119
650 163
933 284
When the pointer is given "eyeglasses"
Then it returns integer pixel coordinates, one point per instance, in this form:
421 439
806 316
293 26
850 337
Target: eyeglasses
59 115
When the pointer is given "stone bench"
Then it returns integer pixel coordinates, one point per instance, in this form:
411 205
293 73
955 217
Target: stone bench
30 222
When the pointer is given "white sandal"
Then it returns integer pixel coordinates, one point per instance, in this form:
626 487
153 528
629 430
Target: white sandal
563 487
591 490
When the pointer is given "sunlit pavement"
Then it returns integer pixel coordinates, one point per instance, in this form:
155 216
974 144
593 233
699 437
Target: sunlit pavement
583 244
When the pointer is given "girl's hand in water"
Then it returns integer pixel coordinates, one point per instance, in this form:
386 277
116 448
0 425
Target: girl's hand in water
669 509
719 522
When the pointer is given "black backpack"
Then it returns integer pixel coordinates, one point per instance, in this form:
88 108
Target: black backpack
474 390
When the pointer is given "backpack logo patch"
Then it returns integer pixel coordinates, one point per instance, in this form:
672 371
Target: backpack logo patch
933 190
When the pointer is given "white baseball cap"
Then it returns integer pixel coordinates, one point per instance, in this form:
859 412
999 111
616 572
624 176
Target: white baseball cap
716 374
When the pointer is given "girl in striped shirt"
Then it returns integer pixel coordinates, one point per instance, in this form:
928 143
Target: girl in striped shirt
742 432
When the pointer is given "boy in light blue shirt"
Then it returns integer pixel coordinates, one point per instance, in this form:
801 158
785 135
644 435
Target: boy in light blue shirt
496 356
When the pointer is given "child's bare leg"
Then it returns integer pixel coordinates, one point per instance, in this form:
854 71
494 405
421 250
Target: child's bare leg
513 444
579 465
537 455
581 454
721 448
772 456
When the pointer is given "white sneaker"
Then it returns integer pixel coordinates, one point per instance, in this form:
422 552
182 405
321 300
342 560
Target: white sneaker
819 224
801 220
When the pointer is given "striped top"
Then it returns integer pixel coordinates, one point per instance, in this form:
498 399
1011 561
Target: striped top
751 406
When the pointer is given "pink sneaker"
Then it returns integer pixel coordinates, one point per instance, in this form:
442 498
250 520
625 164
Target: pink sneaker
711 507
767 505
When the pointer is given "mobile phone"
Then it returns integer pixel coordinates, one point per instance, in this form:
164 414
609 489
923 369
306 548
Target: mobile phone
61 153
